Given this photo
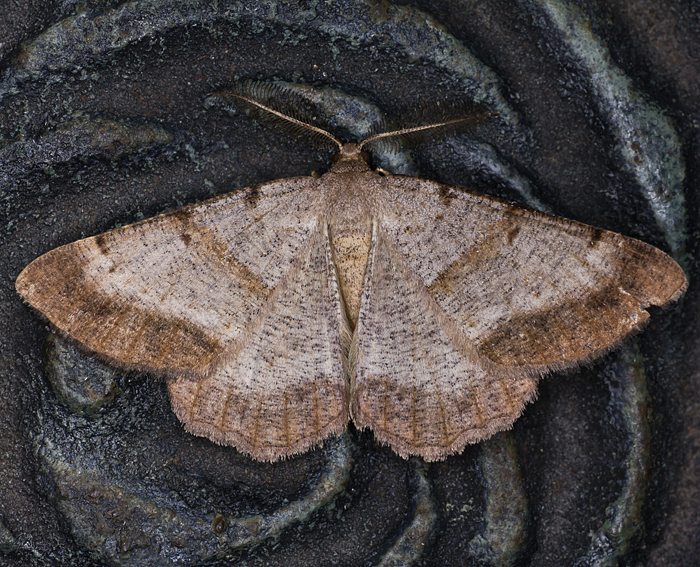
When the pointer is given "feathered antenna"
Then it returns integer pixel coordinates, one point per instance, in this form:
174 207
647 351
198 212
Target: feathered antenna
256 94
453 122
291 119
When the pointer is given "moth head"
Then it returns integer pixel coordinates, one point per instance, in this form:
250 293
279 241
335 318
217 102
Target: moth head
350 151
350 157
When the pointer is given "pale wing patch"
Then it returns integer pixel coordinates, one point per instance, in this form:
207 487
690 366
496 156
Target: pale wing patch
283 388
526 289
419 385
171 293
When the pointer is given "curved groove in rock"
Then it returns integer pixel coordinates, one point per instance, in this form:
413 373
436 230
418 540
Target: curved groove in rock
90 38
623 523
145 526
249 531
411 544
79 139
647 141
483 157
506 514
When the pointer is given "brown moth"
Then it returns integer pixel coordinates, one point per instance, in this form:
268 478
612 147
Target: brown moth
279 312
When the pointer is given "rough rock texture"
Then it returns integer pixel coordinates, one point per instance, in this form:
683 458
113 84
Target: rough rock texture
107 116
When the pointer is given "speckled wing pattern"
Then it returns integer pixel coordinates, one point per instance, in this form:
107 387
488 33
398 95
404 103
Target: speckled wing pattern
246 304
468 300
282 388
234 299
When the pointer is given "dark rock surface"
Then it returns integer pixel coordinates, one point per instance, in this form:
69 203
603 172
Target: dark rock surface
107 116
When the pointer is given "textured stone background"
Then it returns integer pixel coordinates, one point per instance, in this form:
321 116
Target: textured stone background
107 116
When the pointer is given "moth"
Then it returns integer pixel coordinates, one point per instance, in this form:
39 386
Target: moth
280 312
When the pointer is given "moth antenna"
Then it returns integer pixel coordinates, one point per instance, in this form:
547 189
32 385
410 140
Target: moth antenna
462 120
295 121
380 126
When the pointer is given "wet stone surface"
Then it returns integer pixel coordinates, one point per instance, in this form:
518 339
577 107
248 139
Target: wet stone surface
111 112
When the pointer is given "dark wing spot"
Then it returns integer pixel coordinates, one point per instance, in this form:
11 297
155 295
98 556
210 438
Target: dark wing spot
186 238
182 215
252 196
595 237
512 233
101 241
445 195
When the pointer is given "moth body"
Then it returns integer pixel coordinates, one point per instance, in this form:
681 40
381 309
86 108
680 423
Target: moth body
349 204
277 313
